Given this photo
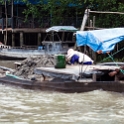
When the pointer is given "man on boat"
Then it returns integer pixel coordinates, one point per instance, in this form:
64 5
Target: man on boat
77 57
118 72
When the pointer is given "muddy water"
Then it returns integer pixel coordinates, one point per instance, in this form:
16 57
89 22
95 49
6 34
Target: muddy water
8 63
22 106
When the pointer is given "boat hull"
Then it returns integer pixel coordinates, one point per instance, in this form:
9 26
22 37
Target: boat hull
21 54
66 86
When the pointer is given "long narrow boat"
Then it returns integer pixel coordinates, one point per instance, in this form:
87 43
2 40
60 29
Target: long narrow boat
23 53
80 78
101 41
66 86
52 44
67 80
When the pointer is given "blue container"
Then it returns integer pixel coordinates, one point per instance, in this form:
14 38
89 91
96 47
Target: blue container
40 47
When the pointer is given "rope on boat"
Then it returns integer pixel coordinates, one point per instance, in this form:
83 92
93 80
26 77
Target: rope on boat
112 59
113 54
122 71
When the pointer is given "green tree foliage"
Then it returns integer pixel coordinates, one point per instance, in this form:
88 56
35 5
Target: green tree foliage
107 20
57 10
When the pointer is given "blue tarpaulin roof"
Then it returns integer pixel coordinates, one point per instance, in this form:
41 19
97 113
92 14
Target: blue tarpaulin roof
30 1
100 40
39 1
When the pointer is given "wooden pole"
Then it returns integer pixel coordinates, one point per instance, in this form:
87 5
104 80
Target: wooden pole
94 53
12 26
39 39
2 25
5 42
63 36
94 22
13 39
86 16
4 37
91 23
106 12
21 39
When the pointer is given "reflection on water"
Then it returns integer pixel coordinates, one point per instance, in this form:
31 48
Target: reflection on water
22 106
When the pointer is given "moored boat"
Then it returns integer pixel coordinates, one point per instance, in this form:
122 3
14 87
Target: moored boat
51 46
100 41
79 78
68 80
66 86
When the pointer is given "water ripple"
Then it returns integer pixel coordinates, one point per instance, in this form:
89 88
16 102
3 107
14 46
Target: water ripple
22 106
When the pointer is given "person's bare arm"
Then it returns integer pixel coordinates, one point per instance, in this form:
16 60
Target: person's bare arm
115 72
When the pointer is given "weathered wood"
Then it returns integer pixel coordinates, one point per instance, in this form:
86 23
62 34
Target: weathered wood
63 36
94 77
21 39
64 85
93 22
5 36
86 15
24 30
17 64
12 22
39 39
116 78
106 12
13 39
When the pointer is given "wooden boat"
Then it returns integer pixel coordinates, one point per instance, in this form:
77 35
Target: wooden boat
65 85
22 53
68 80
52 46
78 78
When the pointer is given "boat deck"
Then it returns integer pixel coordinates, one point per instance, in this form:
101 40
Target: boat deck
61 83
72 71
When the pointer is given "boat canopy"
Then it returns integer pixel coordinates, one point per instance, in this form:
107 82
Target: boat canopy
62 28
100 40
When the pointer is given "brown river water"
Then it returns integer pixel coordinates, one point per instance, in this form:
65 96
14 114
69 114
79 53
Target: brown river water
23 106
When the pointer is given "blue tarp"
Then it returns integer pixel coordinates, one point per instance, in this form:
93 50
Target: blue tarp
30 1
20 2
104 40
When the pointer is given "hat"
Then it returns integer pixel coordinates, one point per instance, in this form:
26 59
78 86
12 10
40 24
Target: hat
70 53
